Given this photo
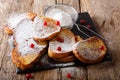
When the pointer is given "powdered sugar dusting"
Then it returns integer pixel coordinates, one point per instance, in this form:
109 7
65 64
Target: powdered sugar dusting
24 48
25 30
66 46
13 20
88 52
44 31
24 37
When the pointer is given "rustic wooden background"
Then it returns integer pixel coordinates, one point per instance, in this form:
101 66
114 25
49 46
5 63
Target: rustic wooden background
106 16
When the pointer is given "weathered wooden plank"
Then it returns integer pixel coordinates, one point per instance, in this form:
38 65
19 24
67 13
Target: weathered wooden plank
115 43
74 3
20 6
6 66
8 70
101 71
106 16
5 6
77 73
40 6
1 36
53 74
4 10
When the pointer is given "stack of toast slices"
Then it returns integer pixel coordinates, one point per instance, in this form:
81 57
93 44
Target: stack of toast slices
34 35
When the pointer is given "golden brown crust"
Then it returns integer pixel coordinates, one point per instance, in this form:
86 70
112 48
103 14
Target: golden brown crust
50 20
69 58
90 42
78 38
59 56
32 16
7 30
40 42
27 61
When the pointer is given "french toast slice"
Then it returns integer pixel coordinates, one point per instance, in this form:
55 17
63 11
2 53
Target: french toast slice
26 51
71 57
61 46
46 28
91 50
26 61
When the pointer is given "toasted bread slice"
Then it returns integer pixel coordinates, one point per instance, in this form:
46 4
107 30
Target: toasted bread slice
15 19
69 58
91 50
27 51
46 28
26 61
78 38
61 46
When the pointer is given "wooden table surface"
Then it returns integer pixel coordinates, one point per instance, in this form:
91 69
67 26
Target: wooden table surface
106 16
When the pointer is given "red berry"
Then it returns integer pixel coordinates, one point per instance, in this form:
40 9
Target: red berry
82 21
45 23
102 47
32 45
68 75
58 23
59 49
28 76
60 39
88 26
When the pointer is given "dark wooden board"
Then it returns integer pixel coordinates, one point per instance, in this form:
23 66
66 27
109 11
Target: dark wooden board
46 63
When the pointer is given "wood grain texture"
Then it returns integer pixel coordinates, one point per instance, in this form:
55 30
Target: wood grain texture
77 73
7 69
106 16
74 3
40 6
53 74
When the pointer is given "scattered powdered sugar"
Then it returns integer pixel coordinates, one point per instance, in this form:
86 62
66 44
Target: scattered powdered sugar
24 30
66 45
24 48
24 37
38 21
44 31
13 20
90 53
